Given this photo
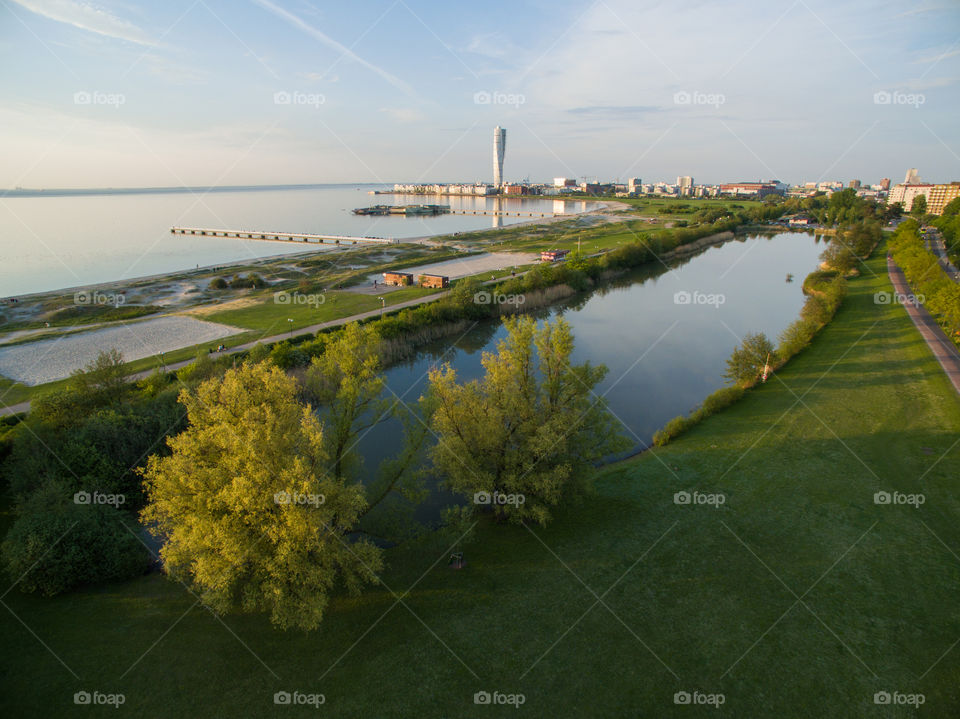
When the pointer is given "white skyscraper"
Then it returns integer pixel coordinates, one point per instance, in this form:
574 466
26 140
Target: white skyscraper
499 147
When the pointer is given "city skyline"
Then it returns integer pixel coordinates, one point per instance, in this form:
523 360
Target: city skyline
264 92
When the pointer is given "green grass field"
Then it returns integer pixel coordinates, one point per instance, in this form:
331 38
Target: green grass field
798 597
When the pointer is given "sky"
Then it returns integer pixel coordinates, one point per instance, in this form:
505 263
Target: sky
121 93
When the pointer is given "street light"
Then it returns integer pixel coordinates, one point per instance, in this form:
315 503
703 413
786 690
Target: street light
383 304
290 320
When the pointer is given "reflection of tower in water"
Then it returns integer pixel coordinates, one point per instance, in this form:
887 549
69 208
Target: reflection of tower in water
497 217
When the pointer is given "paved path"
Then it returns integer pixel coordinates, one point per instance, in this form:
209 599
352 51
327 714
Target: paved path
941 346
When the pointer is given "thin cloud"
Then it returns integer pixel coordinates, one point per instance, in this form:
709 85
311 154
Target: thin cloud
330 42
89 18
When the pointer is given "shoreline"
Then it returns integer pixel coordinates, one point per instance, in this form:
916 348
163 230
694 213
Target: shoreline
188 272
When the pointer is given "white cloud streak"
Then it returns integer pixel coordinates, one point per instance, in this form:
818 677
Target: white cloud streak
299 23
87 17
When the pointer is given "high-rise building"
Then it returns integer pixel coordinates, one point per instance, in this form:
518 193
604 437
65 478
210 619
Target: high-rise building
912 177
499 147
855 184
635 185
885 183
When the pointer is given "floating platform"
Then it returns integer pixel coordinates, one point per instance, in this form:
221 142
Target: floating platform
407 210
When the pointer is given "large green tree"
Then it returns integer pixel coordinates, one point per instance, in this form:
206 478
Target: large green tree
249 514
749 359
527 433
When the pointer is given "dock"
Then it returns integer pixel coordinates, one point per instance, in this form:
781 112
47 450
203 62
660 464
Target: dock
283 236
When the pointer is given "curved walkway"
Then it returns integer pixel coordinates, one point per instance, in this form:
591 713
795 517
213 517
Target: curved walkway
941 346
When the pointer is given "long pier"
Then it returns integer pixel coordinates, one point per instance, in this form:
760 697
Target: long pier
282 236
505 213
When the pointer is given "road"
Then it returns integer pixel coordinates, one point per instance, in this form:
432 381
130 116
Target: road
934 243
941 346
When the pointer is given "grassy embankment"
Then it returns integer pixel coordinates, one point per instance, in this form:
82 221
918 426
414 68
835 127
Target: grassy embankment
798 597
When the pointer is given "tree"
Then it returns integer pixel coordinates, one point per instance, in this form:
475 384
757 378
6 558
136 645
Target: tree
346 383
748 361
250 517
839 256
346 379
919 207
528 432
104 379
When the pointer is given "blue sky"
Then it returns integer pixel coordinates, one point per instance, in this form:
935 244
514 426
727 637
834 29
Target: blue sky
124 93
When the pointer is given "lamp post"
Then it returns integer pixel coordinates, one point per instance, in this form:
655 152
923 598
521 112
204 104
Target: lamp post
383 304
290 320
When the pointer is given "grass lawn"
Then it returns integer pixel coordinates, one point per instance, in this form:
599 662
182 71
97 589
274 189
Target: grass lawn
798 597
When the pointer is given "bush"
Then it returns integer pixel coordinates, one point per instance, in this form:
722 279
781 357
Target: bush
286 356
218 283
89 543
671 430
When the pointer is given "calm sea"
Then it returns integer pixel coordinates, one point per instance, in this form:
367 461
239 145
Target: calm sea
55 242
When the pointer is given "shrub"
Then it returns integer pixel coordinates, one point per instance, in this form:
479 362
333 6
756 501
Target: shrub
672 429
90 544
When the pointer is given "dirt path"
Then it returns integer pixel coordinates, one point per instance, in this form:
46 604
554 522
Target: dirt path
941 346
